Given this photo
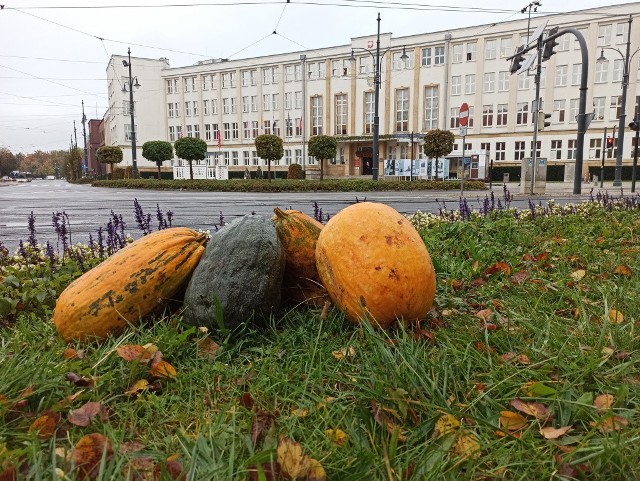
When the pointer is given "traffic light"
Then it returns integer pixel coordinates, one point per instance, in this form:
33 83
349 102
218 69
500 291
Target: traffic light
549 45
542 120
609 142
516 61
635 125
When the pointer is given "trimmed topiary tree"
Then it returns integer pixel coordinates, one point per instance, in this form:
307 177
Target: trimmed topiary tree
190 149
438 143
157 151
295 172
109 154
269 147
323 147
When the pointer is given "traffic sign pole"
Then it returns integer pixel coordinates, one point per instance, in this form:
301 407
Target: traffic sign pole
464 137
463 120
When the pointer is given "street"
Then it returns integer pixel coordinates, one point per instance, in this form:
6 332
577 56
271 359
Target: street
89 207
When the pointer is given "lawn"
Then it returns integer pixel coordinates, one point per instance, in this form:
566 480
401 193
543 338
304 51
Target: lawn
526 368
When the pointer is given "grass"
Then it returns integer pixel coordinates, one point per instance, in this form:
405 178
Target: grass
522 312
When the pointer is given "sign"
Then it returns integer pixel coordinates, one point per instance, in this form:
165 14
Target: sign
463 131
463 116
356 162
407 137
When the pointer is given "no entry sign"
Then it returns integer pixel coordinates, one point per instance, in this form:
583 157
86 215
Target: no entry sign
463 116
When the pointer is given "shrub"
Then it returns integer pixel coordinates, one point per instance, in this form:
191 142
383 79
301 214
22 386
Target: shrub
295 172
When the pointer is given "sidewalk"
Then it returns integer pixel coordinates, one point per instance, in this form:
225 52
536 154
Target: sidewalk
565 189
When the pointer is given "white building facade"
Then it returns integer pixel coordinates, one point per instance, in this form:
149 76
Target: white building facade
324 91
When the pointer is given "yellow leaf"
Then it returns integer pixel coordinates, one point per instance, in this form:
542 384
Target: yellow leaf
467 445
323 404
578 275
292 462
300 413
150 348
337 436
316 471
446 424
163 369
554 433
603 402
138 386
342 353
512 421
615 317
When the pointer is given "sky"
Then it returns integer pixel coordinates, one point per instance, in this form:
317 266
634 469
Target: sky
54 52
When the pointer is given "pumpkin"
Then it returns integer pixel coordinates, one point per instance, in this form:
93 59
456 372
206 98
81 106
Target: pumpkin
128 285
299 234
375 266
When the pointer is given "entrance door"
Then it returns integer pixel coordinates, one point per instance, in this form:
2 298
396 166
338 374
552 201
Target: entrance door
366 156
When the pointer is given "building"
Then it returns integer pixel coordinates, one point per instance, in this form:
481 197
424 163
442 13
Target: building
96 140
331 91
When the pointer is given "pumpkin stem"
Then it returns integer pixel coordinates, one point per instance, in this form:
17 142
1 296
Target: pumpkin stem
279 213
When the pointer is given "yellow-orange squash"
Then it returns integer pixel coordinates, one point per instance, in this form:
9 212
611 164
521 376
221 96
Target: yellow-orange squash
299 234
375 266
128 285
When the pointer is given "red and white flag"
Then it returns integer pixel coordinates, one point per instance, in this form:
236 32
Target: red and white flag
219 140
301 124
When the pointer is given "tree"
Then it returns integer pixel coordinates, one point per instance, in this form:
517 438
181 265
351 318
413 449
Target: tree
323 147
157 151
190 149
72 166
269 147
109 154
438 143
8 161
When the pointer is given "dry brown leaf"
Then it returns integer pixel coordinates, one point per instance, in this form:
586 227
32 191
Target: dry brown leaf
616 317
499 267
83 415
342 353
512 421
79 381
88 453
603 402
578 275
337 436
382 418
520 277
293 462
623 270
171 468
316 471
137 387
537 410
71 353
554 433
163 369
207 348
610 423
261 424
45 425
134 352
484 314
130 447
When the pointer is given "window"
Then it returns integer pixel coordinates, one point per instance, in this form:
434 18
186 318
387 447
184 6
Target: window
207 131
456 85
205 107
622 32
598 107
255 160
234 157
287 156
618 64
205 82
234 131
266 125
490 49
312 71
186 84
179 131
634 141
336 68
402 110
297 100
316 116
523 81
522 114
187 109
585 33
363 65
564 42
457 53
213 81
396 61
431 107
571 149
245 157
559 110
556 149
561 75
489 81
470 84
254 103
226 106
574 105
172 134
500 150
266 76
246 105
253 74
595 148
538 145
425 57
245 78
487 115
298 72
368 112
602 69
214 106
604 35
288 132
471 51
275 128
275 101
170 109
576 73
519 150
225 80
454 118
246 130
341 114
503 81
322 69
438 58
195 108
170 86
298 126
616 106
275 75
298 156
225 157
266 102
255 128
288 100
193 84
501 114
289 73
196 131
189 131
226 127
506 48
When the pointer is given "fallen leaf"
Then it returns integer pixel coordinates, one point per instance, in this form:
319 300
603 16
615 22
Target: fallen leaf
610 423
499 267
293 462
207 348
133 352
520 277
139 469
484 314
171 468
342 353
615 317
261 424
79 380
163 369
83 415
467 445
603 402
474 266
446 424
323 404
554 433
264 472
46 425
316 471
537 389
623 270
337 436
300 413
578 275
88 454
71 353
537 410
512 421
137 387
246 400
130 447
382 418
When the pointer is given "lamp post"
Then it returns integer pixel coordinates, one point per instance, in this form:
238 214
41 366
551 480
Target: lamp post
376 99
131 106
84 135
626 63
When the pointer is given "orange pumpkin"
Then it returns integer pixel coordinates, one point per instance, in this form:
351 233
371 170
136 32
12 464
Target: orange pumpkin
375 266
299 233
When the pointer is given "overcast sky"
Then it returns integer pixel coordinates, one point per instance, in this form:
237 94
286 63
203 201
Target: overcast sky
61 46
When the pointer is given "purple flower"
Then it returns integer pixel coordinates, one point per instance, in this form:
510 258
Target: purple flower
33 242
50 254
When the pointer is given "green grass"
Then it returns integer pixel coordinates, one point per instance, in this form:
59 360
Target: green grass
574 352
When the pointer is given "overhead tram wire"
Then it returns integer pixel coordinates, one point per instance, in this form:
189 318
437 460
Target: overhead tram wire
50 81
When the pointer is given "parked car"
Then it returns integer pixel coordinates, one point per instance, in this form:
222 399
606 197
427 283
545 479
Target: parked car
50 177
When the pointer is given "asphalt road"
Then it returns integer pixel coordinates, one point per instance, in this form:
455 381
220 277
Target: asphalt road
89 207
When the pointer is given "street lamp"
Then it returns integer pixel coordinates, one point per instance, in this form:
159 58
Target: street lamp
133 125
626 63
376 83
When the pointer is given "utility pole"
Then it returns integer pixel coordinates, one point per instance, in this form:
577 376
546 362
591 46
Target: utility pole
303 121
84 135
536 113
376 118
75 135
617 181
604 149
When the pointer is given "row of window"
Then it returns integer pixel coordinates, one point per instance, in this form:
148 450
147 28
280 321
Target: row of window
230 130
